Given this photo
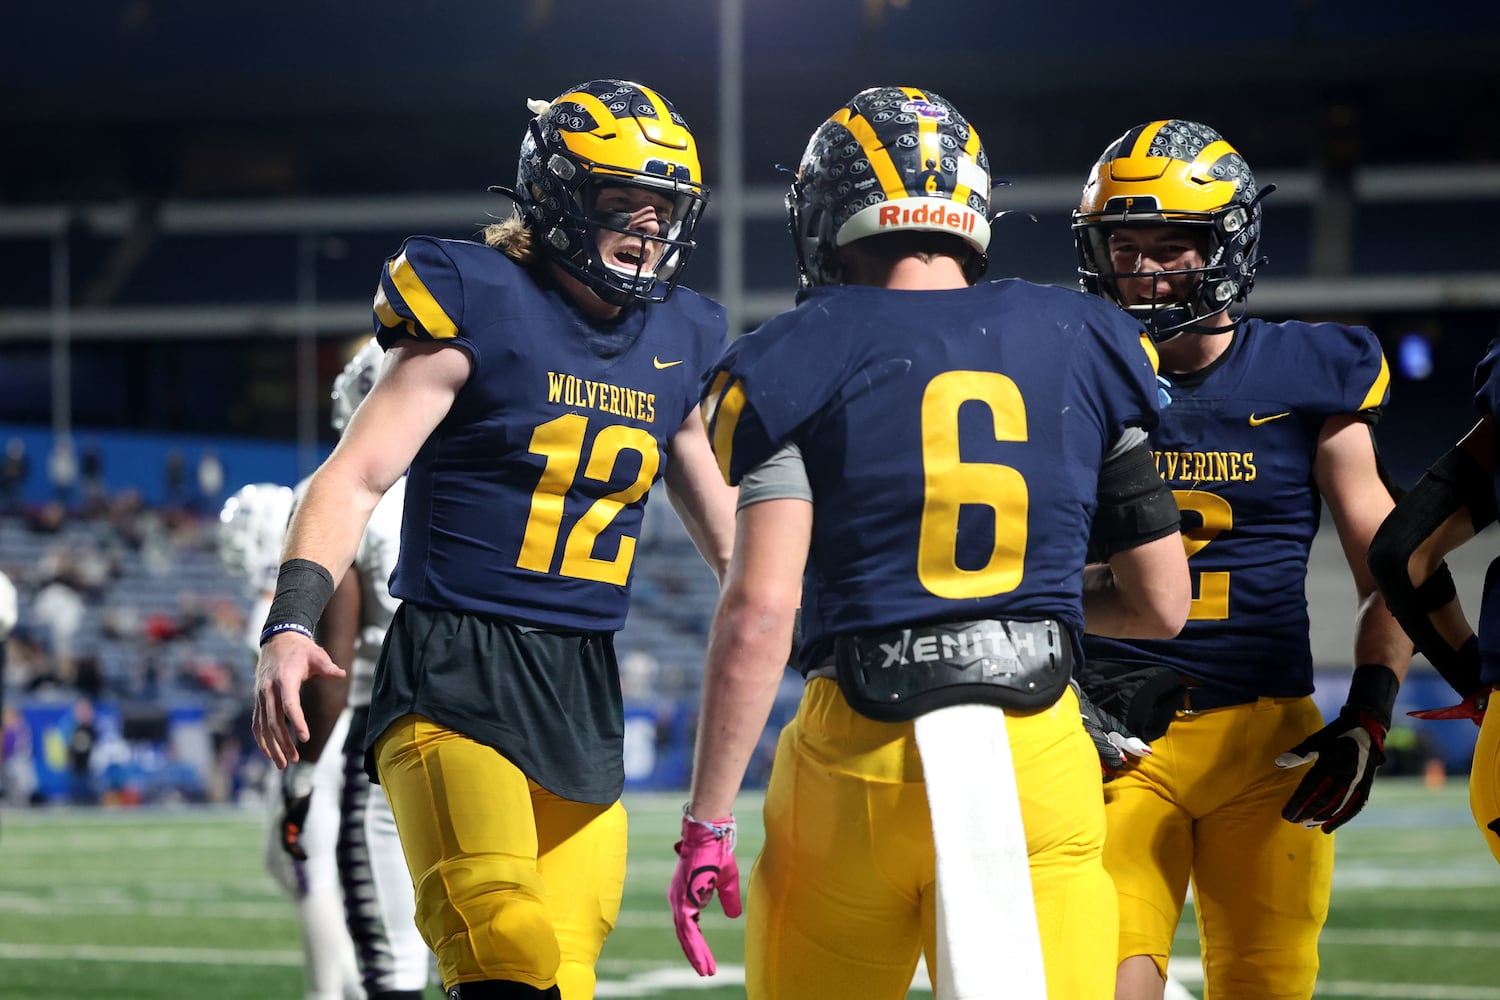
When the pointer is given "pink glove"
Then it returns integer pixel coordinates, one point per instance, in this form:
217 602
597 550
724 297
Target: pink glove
705 864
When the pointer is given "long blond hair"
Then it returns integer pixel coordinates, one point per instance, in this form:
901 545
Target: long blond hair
512 237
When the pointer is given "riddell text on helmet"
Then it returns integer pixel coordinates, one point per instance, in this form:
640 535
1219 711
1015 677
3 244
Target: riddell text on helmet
935 215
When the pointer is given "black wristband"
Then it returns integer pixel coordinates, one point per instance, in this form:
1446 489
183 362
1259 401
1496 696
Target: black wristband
303 589
1373 688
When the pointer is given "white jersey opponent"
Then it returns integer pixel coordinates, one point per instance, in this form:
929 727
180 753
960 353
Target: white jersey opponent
378 895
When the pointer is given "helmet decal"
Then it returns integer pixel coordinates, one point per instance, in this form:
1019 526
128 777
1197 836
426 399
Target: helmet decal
891 159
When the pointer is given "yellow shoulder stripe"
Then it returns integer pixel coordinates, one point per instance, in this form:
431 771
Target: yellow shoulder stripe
1149 346
420 301
1377 391
387 315
722 417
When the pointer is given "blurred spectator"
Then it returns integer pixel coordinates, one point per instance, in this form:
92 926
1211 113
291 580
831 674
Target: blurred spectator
126 513
9 614
59 608
82 789
638 670
88 676
17 768
15 467
174 480
48 519
91 481
210 482
62 470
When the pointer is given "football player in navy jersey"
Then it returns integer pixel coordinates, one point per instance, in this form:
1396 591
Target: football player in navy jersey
1263 420
933 452
1452 502
536 385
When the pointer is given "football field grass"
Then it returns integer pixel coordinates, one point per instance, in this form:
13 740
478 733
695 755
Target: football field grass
151 905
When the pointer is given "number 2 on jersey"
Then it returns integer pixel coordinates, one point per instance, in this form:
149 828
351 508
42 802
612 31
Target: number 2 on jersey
1212 601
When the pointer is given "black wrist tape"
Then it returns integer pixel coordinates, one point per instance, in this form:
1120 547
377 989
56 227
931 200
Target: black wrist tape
1373 688
303 589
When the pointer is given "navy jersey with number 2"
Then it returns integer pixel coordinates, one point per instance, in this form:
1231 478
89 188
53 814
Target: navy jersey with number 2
952 440
1237 448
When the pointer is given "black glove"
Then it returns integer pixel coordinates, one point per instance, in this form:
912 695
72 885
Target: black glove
1344 754
1114 743
296 797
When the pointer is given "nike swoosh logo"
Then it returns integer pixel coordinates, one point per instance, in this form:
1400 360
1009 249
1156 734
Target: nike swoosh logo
1257 421
660 364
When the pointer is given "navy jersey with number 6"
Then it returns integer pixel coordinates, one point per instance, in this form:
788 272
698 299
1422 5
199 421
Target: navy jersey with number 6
542 466
952 440
1237 449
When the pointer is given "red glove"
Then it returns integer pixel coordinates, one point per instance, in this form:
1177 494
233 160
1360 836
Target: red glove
1471 708
705 865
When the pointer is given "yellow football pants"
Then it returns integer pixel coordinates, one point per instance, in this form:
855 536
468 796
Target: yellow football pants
841 899
1207 806
512 882
1484 780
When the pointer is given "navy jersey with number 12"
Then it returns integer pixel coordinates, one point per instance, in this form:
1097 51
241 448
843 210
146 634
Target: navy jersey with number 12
952 440
542 466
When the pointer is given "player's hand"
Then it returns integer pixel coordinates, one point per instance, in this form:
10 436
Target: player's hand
296 797
705 864
1471 708
1344 756
286 660
1115 744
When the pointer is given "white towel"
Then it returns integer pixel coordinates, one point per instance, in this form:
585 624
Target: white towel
988 942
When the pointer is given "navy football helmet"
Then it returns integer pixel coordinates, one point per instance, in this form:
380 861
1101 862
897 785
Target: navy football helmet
893 159
609 132
1179 173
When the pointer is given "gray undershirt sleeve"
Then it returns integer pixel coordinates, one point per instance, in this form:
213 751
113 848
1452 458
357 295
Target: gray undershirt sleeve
783 476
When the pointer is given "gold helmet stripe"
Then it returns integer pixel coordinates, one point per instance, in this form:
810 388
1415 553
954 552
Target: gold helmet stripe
927 138
1142 144
663 130
1211 154
885 169
595 107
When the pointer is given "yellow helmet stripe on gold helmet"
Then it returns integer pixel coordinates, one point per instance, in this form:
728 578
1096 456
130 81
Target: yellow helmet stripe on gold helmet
880 160
927 139
663 130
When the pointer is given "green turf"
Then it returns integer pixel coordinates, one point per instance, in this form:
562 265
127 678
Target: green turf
160 905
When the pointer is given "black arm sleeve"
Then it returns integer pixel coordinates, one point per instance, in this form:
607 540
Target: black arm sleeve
1454 482
1135 506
